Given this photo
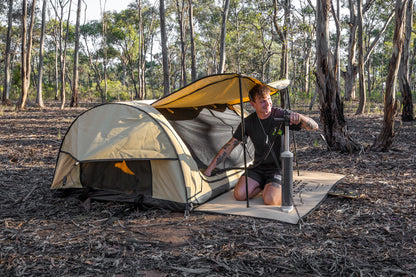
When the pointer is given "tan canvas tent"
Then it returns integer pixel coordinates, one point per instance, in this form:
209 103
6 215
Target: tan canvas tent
153 154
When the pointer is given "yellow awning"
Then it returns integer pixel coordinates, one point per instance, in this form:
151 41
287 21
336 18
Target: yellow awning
214 90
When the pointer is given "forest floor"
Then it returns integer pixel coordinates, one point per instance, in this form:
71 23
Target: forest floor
42 234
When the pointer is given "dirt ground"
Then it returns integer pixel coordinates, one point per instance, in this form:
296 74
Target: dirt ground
42 234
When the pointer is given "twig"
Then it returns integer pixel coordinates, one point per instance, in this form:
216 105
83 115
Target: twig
23 199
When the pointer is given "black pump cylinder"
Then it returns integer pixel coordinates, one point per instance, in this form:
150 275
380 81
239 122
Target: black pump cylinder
287 181
287 174
287 169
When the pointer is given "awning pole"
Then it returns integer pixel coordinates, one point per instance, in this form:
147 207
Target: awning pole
243 131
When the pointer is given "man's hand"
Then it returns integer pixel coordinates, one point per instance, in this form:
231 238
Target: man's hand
295 118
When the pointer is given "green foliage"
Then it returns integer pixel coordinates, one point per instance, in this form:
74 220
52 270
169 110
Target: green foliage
116 91
253 47
376 97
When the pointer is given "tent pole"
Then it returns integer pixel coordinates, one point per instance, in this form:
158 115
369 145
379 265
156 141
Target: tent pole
243 131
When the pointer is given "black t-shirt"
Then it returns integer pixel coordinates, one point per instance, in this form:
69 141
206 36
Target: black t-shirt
264 132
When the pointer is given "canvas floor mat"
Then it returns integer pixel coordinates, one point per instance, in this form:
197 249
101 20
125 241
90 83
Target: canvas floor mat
309 190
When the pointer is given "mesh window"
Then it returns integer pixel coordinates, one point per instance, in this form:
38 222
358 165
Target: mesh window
133 177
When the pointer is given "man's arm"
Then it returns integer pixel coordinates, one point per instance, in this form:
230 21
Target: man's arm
221 155
305 121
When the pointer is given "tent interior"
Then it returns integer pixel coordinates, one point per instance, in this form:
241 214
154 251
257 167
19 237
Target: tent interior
205 129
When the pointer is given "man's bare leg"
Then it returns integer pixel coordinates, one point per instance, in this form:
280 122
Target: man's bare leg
240 188
272 194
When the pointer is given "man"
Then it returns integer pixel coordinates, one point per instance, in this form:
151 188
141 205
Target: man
265 173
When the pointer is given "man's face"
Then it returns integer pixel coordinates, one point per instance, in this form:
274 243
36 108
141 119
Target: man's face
263 105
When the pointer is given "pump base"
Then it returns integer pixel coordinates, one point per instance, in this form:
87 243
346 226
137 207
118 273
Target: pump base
286 209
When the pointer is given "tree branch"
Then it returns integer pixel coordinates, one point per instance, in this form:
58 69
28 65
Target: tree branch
373 44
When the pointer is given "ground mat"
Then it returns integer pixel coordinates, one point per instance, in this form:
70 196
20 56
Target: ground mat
309 191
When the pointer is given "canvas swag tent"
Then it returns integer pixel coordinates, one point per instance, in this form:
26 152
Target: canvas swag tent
153 154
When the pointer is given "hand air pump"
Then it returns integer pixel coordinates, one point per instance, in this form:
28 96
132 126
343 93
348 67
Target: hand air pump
287 168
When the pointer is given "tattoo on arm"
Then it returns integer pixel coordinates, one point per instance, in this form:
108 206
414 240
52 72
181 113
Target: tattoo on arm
221 158
311 124
226 149
235 143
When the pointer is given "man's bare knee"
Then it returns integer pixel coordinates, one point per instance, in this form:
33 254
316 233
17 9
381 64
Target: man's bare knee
239 195
274 201
272 194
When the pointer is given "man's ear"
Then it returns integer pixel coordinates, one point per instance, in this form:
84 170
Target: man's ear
252 103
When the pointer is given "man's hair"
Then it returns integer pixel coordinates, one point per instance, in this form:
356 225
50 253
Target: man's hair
258 90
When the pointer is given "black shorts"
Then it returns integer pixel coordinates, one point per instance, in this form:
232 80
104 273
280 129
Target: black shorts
264 174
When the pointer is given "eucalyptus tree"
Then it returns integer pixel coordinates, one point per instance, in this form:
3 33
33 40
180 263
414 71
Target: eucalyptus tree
164 43
74 96
104 43
7 59
91 32
131 33
207 17
181 12
224 17
59 8
306 31
407 113
331 105
53 27
301 45
282 32
192 40
385 139
372 22
251 46
383 12
26 52
360 39
39 94
142 52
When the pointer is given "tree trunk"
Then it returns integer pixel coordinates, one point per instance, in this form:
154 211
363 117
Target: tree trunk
62 48
142 54
74 97
385 139
369 77
307 67
331 106
104 45
361 87
7 61
181 14
61 60
351 70
26 53
164 42
130 63
407 113
23 96
221 65
282 32
63 55
338 47
39 96
192 39
56 67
